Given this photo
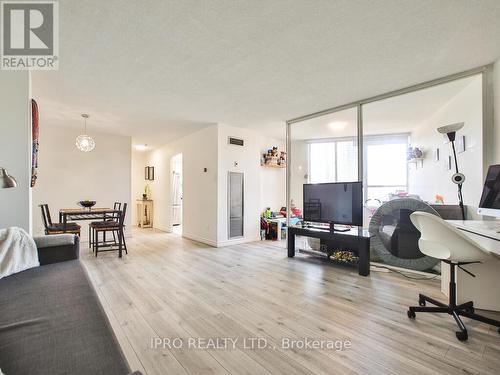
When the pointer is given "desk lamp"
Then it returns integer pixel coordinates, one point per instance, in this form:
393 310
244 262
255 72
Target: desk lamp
6 180
457 178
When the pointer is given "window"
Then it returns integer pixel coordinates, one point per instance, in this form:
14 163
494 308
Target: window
347 156
322 159
333 161
386 167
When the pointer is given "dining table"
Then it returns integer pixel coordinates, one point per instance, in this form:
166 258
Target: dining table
79 214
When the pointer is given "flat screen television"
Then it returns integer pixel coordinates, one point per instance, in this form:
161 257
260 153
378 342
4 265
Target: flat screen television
334 203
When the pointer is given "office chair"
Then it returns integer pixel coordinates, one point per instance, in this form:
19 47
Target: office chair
441 240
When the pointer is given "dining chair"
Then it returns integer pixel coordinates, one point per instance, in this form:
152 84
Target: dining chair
115 227
56 228
114 217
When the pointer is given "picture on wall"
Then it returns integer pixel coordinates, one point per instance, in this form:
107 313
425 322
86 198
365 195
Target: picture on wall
435 155
149 173
35 135
460 144
449 163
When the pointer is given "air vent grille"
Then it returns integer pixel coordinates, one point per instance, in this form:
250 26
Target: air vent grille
236 141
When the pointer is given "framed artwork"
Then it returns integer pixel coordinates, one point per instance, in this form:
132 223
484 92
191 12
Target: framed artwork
449 163
435 155
35 134
149 173
460 144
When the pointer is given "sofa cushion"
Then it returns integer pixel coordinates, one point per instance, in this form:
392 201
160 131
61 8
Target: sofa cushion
51 322
54 252
55 240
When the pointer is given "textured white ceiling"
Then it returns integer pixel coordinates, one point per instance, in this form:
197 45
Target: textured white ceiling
157 70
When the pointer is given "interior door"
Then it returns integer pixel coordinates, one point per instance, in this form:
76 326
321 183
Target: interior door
235 204
176 199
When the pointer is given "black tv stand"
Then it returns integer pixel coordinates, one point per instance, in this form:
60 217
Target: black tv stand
355 239
332 228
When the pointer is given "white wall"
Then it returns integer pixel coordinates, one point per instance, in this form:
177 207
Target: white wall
67 175
264 187
139 161
272 180
15 148
199 151
433 178
205 193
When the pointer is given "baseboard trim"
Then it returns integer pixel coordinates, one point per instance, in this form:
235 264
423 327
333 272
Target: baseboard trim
194 237
237 241
164 229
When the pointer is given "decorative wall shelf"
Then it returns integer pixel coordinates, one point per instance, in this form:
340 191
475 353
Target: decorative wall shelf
274 165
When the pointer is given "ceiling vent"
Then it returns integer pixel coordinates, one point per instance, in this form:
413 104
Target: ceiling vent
236 141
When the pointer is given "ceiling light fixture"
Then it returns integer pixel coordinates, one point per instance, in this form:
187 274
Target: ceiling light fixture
85 142
337 125
143 147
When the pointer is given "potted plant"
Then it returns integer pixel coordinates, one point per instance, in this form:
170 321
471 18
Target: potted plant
147 192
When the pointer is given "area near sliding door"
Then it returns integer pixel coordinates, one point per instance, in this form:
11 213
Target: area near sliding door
390 142
323 149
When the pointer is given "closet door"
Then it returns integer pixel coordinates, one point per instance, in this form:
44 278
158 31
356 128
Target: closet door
235 204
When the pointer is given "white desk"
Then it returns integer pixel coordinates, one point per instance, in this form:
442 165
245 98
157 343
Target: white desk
484 289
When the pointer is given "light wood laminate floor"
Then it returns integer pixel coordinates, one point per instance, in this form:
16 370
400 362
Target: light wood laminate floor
170 287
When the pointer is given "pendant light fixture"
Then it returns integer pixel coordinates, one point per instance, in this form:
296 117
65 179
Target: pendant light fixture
85 142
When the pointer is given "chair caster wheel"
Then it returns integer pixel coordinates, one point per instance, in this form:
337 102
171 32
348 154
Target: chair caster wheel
421 302
462 335
470 310
411 314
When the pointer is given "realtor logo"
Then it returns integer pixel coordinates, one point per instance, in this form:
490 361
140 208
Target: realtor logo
29 35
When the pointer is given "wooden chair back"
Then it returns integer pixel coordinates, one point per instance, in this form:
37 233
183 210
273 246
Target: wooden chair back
121 219
47 220
117 207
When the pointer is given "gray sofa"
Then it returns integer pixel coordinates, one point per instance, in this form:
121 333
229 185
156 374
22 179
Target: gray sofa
51 321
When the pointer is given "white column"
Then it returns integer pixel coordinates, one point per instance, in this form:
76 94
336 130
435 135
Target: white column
15 148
